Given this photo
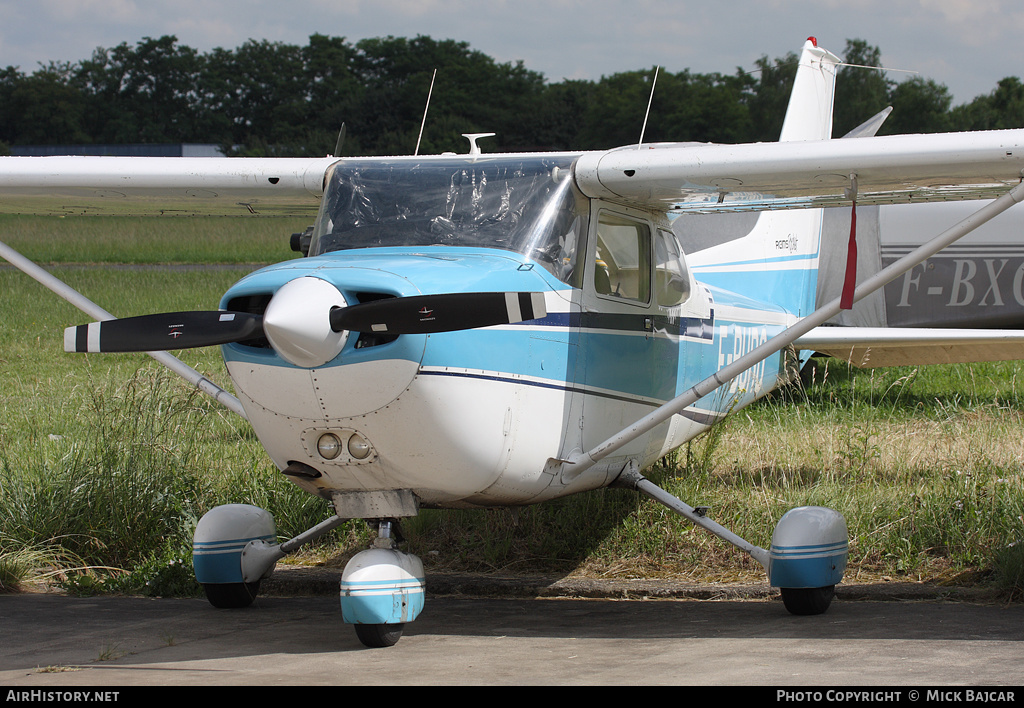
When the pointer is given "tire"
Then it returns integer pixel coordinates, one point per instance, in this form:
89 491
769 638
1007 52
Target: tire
808 601
231 596
377 636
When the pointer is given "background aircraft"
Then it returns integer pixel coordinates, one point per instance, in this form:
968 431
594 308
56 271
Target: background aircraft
977 283
493 330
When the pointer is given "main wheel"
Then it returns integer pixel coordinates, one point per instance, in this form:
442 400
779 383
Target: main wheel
808 601
379 635
231 595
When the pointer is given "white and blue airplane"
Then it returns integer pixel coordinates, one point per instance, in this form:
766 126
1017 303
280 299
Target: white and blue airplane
489 330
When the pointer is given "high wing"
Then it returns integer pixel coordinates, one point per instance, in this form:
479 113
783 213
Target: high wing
679 178
222 186
884 170
873 347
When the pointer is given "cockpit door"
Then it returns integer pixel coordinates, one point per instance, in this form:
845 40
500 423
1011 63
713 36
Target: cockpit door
616 353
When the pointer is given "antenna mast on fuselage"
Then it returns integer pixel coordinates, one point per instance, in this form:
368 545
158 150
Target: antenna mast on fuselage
474 149
425 109
650 100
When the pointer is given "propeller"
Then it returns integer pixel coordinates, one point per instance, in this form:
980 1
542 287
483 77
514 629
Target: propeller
448 312
162 332
307 322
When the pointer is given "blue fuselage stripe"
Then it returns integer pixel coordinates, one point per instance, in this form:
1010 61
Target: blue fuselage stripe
638 355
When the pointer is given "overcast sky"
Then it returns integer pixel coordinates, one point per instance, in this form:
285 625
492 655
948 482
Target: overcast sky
968 45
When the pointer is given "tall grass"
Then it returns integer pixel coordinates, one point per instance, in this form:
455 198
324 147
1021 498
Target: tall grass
116 493
21 562
925 464
123 489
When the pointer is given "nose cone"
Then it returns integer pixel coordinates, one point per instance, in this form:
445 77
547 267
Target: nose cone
297 322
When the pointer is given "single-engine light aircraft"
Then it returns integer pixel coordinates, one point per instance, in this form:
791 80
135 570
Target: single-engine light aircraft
488 330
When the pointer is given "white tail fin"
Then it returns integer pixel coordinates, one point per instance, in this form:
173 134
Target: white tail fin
809 116
778 260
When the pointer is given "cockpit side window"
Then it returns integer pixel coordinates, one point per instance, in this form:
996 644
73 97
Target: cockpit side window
671 278
622 258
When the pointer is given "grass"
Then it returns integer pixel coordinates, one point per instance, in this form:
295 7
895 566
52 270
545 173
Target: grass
22 563
106 462
924 463
119 239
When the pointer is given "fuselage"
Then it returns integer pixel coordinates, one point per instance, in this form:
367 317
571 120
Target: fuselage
483 417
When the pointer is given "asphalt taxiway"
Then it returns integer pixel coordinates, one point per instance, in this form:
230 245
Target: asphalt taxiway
290 639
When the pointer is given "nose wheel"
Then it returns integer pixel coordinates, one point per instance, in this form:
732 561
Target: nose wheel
382 589
378 636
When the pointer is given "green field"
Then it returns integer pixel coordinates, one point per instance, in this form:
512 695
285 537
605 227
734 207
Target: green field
106 462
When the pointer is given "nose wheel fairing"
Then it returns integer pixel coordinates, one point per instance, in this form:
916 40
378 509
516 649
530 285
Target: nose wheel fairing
382 586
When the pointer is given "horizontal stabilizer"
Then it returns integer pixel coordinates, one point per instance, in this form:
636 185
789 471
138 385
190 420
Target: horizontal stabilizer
871 347
871 126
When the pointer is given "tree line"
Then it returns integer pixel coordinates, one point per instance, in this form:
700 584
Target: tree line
272 98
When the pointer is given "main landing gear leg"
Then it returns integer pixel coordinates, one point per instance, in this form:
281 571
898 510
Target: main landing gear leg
808 553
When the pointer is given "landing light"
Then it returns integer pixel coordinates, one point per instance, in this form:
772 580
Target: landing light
329 446
358 446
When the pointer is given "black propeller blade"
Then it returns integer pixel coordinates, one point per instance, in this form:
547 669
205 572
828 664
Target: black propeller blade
448 312
418 314
162 332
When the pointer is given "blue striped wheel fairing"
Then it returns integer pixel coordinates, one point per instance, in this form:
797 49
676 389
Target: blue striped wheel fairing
221 561
382 601
810 566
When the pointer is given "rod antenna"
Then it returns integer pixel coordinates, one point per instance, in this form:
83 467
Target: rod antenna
648 113
425 109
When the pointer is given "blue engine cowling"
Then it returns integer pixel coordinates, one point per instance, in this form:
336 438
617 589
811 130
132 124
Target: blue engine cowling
809 548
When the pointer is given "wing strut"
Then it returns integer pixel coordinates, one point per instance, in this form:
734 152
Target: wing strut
90 308
581 461
630 478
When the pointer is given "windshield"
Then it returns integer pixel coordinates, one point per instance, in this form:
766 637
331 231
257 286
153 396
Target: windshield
524 204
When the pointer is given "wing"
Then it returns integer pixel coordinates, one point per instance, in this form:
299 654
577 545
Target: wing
871 347
756 176
678 178
162 185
